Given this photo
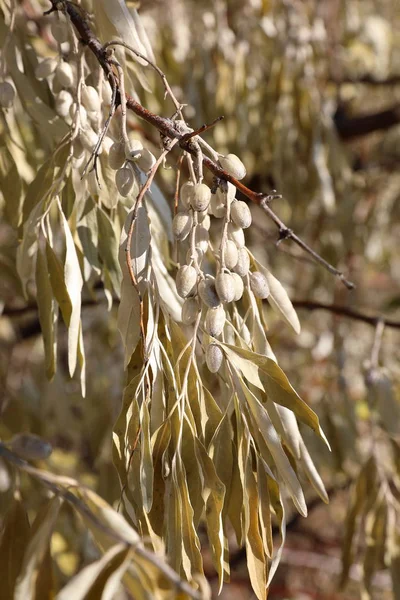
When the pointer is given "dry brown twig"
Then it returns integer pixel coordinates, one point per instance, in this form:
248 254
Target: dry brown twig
168 129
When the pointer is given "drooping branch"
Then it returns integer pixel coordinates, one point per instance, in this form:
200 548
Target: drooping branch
168 129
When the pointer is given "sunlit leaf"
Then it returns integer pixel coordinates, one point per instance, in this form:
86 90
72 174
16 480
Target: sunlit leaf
268 376
94 577
279 299
48 313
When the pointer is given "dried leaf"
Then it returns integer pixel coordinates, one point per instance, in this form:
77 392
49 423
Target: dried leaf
279 299
11 184
264 508
66 282
26 251
265 374
213 497
73 283
256 558
96 576
88 233
42 529
48 313
117 21
14 539
375 536
190 545
279 510
284 468
312 473
392 549
146 459
129 319
108 249
286 426
363 489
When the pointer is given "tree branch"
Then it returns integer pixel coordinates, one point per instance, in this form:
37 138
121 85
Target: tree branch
31 327
347 312
351 127
368 80
168 129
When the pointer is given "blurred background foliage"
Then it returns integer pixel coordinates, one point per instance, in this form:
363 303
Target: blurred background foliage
310 93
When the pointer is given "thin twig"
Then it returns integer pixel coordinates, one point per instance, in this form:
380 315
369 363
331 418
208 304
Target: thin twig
168 89
177 183
167 128
201 129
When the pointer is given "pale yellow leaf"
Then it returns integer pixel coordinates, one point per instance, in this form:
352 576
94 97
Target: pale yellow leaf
48 313
84 582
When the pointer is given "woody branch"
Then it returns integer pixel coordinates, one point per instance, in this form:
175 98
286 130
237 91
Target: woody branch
168 129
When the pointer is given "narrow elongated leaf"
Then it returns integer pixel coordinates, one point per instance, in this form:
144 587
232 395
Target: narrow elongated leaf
48 313
129 319
243 452
364 487
14 539
85 581
191 557
393 549
142 34
213 495
129 312
286 426
279 299
26 251
312 473
35 551
82 362
285 470
57 281
146 459
116 19
375 535
108 248
160 443
140 246
279 510
264 508
73 283
88 233
40 112
265 374
11 183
